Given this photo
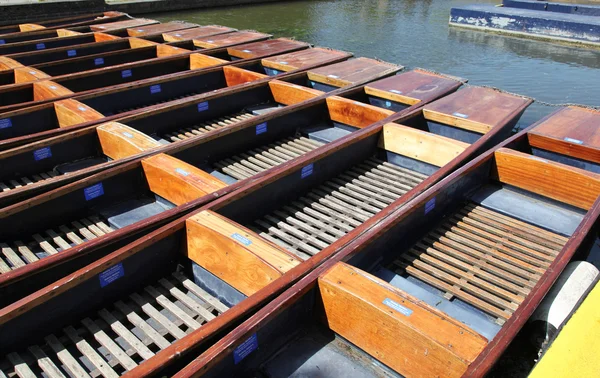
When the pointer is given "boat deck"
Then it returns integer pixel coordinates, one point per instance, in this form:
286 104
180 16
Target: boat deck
26 180
484 258
17 254
312 222
205 127
121 336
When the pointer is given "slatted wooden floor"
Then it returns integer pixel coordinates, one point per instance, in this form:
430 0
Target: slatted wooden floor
484 258
17 253
119 336
256 160
155 103
312 222
26 180
204 127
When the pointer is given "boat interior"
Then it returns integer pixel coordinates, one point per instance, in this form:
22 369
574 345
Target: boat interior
64 38
438 281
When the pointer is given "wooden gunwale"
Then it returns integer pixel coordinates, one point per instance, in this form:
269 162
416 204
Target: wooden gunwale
59 22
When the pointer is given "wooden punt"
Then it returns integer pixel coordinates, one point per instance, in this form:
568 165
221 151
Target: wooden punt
219 249
22 95
230 127
55 42
438 288
51 119
172 26
64 21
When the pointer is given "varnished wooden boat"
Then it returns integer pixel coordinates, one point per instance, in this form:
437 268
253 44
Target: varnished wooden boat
44 121
28 94
219 254
438 288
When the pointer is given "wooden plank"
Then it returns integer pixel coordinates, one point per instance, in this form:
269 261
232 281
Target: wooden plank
411 87
119 25
199 61
27 74
476 109
58 240
141 349
160 28
289 94
45 363
86 349
197 33
152 312
236 76
11 256
420 145
137 321
353 71
46 89
172 308
304 58
113 348
403 332
70 235
571 131
21 368
554 180
119 141
354 113
200 293
268 47
71 112
178 181
8 63
186 300
69 362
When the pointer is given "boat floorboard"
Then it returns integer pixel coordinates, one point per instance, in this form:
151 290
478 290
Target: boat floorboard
312 222
153 103
16 254
119 337
205 127
486 259
16 183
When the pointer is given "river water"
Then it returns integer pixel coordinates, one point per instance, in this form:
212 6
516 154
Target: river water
415 33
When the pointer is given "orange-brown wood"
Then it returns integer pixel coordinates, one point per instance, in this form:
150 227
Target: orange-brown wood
289 94
304 58
408 335
410 87
178 181
120 141
136 43
133 23
198 61
166 50
46 89
353 71
8 64
71 112
160 28
561 182
570 131
475 109
28 74
355 113
235 254
268 47
195 33
66 33
236 75
30 27
102 37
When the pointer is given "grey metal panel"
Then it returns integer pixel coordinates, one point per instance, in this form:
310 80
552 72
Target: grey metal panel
325 133
568 160
216 287
131 211
412 164
322 87
453 132
387 104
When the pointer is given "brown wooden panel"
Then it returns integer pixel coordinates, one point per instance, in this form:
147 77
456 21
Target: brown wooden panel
420 145
136 43
112 26
120 141
411 87
103 37
268 47
554 180
198 61
46 89
570 131
30 27
353 71
195 33
229 39
28 74
8 64
305 58
399 330
67 33
355 113
160 28
236 76
289 94
178 181
475 108
166 50
70 112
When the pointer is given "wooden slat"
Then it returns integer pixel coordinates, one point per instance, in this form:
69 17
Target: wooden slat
172 308
21 368
126 334
69 362
112 347
152 312
86 349
137 321
45 363
199 292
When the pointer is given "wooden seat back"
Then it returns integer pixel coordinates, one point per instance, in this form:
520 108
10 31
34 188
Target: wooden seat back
354 113
71 112
120 141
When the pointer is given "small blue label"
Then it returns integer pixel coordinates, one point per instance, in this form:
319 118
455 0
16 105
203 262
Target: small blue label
40 46
430 205
181 172
306 171
5 123
388 104
397 306
99 61
571 140
262 128
126 73
245 349
111 274
155 89
72 53
241 239
42 153
203 106
93 191
2 41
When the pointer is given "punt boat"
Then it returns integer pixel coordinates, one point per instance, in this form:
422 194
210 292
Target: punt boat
438 288
167 124
23 95
27 32
235 253
47 120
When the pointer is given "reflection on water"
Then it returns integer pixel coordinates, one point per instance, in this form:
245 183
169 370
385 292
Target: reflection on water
415 33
